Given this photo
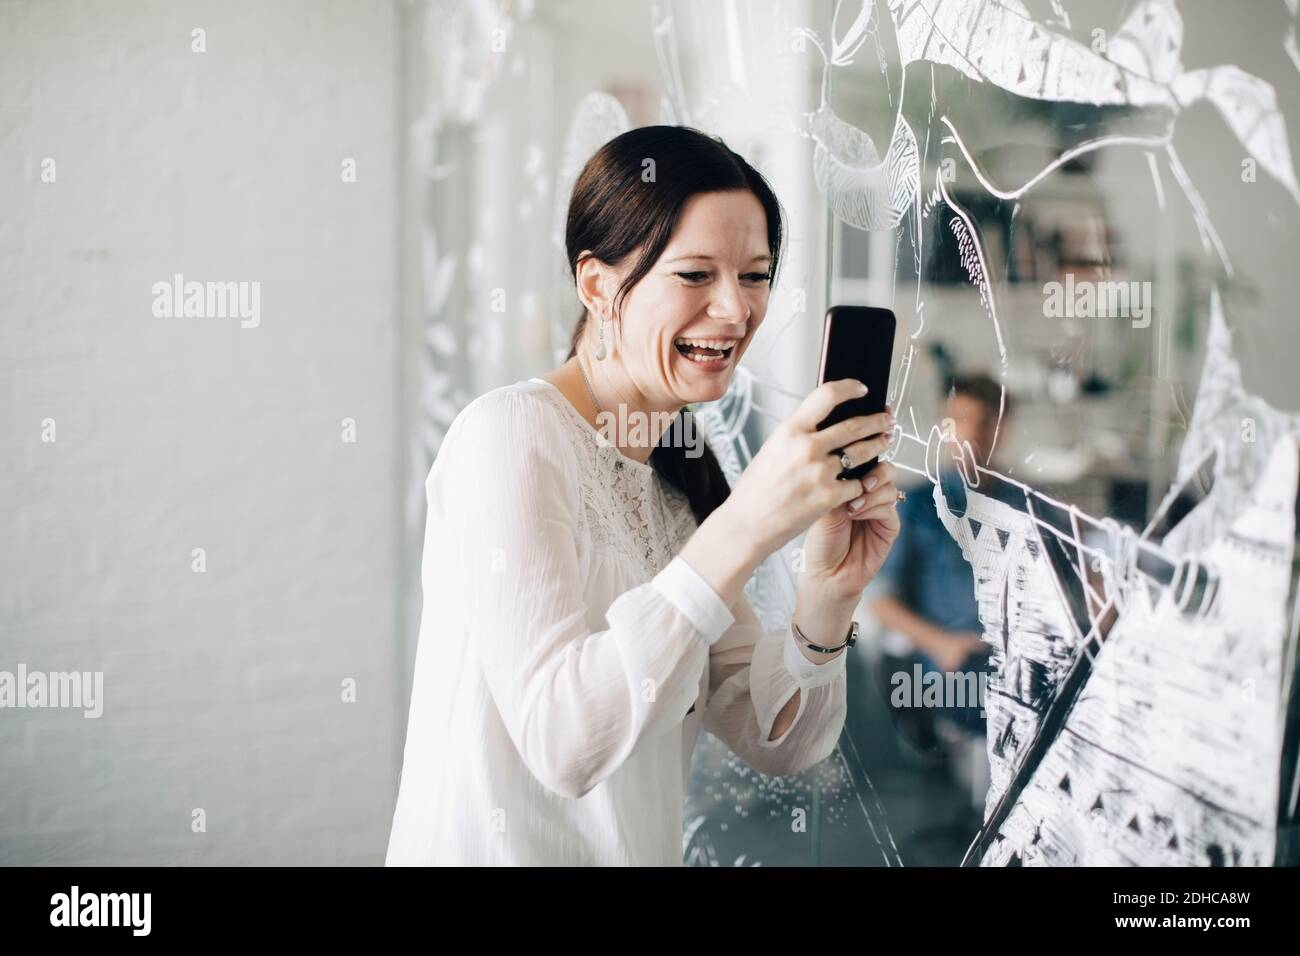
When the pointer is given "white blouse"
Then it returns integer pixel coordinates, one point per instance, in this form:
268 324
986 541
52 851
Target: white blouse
567 657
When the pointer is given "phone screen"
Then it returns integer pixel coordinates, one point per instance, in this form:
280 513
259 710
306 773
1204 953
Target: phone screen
857 342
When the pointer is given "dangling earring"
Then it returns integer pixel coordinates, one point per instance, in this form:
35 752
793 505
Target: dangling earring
600 342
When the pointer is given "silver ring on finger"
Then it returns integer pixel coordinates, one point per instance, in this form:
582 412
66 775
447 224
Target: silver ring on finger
845 461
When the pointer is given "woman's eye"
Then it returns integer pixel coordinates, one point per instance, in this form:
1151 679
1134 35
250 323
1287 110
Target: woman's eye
704 276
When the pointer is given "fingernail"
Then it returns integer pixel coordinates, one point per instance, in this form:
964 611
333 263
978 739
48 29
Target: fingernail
857 503
862 388
871 483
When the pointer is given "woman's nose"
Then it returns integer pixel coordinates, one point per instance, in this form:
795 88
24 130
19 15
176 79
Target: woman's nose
728 302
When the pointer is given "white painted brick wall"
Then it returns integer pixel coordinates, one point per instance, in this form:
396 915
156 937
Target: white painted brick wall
222 690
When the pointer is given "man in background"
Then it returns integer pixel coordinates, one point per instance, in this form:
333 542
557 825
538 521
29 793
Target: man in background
925 592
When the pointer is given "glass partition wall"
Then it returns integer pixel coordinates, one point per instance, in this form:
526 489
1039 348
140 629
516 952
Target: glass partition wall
1091 207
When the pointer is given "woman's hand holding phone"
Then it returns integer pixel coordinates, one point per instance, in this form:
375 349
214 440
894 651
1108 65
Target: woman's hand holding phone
793 482
845 547
792 485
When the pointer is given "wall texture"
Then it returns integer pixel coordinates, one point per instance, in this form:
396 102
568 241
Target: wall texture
224 690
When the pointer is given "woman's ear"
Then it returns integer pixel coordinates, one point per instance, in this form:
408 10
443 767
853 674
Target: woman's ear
594 282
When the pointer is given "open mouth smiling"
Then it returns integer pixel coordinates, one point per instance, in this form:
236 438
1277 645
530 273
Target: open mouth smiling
706 351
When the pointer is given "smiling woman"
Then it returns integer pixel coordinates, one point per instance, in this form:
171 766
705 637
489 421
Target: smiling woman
668 221
584 615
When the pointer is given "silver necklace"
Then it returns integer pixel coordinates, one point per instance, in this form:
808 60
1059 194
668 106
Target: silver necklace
599 410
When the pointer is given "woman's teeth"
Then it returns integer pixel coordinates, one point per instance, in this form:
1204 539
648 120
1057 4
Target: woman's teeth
706 351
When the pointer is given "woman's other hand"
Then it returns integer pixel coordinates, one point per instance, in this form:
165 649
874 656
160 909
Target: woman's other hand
846 546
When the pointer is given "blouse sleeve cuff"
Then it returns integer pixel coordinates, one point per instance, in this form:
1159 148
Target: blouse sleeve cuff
682 586
808 674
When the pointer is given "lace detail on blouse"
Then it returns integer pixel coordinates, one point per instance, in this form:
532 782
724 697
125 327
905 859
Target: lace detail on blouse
631 512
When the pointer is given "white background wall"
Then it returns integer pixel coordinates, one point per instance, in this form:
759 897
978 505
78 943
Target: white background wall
222 689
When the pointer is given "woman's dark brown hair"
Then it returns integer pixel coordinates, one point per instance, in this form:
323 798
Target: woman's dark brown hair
627 201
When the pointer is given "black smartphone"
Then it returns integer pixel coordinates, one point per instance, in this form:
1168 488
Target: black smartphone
857 342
